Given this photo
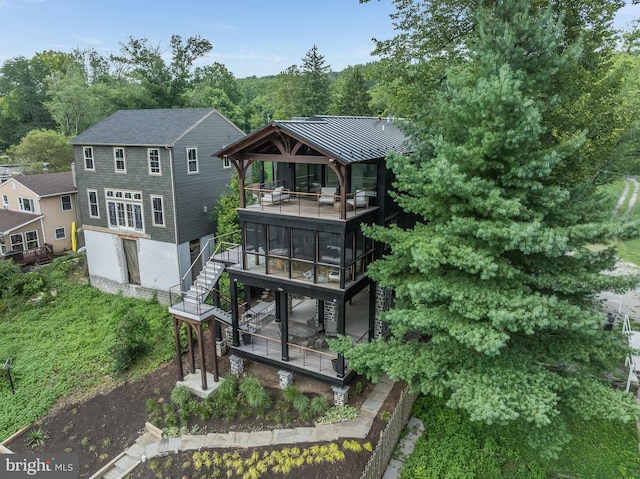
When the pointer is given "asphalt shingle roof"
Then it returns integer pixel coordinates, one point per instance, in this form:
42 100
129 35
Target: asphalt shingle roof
157 127
10 220
48 184
349 138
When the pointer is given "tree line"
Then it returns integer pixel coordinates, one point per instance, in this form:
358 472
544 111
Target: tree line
53 96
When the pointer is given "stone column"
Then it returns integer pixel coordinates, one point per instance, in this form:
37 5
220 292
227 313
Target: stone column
383 303
237 365
340 395
286 378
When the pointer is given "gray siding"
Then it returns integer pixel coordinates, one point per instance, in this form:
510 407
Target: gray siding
137 178
195 192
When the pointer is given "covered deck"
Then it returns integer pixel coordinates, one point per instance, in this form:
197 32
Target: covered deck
308 350
266 198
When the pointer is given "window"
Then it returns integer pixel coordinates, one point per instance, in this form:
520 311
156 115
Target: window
94 212
226 163
118 158
17 242
32 239
3 247
61 233
158 212
192 160
154 161
66 202
125 210
5 201
88 158
26 204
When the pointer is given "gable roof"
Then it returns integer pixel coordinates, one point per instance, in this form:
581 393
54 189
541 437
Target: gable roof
12 220
48 184
158 127
348 139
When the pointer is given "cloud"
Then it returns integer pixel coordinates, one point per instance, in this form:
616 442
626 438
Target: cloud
89 40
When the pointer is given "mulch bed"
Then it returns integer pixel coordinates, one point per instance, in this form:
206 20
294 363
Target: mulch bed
103 426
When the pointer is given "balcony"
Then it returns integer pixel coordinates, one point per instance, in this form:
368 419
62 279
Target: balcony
270 198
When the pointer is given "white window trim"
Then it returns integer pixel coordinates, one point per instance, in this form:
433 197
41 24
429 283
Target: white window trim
115 161
197 170
64 233
154 173
85 158
226 163
5 201
96 203
124 202
21 201
70 203
12 243
26 241
153 212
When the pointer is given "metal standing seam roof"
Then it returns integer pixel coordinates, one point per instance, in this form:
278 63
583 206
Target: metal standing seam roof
153 127
48 184
348 139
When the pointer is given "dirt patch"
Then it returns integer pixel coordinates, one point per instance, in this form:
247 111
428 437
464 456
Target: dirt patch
100 428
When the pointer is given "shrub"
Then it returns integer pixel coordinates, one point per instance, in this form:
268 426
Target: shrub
180 396
28 284
130 341
9 273
37 437
255 396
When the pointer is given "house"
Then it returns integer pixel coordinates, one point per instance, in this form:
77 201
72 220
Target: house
37 216
147 186
303 257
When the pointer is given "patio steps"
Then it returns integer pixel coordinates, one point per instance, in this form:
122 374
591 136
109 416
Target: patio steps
125 462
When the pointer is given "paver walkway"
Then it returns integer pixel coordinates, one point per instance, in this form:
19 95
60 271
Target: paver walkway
151 445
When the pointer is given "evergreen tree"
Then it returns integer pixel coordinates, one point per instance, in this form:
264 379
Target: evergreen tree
315 84
496 289
354 97
287 95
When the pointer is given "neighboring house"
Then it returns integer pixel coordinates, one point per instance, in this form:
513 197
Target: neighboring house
37 215
302 240
147 184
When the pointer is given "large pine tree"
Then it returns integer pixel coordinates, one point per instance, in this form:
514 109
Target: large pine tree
496 288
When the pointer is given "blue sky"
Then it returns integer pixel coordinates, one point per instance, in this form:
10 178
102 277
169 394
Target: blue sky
250 37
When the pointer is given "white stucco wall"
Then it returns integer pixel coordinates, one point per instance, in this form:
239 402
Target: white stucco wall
105 256
158 261
159 268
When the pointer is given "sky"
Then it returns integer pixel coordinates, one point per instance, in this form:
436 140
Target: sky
249 37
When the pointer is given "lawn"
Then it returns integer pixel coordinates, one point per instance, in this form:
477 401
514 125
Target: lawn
61 344
453 447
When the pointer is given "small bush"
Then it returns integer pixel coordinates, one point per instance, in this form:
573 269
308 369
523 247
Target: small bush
180 396
28 284
130 342
9 273
255 396
37 437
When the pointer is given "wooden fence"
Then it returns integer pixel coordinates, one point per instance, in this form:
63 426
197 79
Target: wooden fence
381 456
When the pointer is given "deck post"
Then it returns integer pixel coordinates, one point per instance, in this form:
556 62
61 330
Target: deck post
282 299
176 334
192 353
203 362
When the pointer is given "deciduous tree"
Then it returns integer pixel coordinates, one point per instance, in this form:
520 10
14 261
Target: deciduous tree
43 151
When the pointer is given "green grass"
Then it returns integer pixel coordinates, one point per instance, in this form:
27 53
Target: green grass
453 447
61 346
627 250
